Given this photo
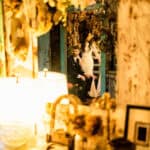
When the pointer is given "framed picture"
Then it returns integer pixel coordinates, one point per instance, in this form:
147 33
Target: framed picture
137 124
142 133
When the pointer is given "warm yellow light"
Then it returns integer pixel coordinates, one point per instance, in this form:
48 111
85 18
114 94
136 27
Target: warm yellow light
56 82
23 100
17 114
22 105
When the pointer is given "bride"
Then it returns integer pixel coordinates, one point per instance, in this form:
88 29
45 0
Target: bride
87 60
91 52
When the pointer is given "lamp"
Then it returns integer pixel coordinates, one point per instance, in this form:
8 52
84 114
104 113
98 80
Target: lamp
56 84
22 105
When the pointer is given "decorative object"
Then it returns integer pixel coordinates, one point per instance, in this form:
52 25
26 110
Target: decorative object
88 131
40 15
142 133
137 120
72 99
107 103
87 125
60 114
83 128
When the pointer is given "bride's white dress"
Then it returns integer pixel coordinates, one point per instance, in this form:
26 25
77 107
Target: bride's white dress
87 62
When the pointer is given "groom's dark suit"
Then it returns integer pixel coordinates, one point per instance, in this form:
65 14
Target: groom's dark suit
74 71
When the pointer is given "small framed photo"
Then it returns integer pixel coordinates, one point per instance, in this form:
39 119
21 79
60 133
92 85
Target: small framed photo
142 133
137 125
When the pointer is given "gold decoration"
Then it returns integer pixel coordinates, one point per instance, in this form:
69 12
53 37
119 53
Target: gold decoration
41 15
74 100
61 135
107 103
82 26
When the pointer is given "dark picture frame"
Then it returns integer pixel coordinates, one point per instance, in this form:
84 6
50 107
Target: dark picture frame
135 124
142 133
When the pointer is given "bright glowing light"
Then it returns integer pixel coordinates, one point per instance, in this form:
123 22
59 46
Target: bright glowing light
56 85
22 104
24 100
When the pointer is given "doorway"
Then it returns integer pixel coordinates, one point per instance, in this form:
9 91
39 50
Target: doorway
49 50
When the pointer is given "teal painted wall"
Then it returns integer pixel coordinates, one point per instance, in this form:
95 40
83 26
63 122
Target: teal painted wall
63 49
103 72
43 51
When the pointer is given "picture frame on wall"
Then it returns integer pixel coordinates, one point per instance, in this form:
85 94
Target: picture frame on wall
137 124
142 133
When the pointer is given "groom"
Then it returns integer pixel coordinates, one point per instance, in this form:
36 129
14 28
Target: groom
76 77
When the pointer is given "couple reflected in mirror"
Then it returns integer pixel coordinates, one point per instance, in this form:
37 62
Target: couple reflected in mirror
80 66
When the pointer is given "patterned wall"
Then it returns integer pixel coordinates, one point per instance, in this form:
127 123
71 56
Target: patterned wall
133 52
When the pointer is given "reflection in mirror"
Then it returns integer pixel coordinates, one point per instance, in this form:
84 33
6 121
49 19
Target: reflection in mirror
49 50
93 32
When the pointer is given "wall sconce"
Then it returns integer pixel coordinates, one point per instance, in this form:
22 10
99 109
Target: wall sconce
22 106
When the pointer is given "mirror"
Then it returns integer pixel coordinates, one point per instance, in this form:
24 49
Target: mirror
96 23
